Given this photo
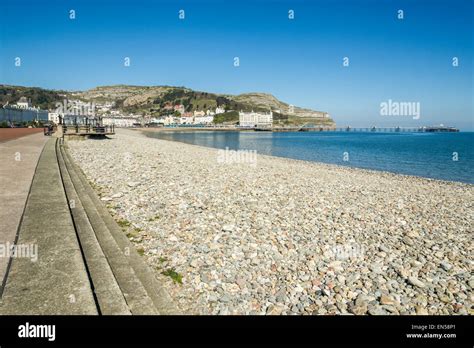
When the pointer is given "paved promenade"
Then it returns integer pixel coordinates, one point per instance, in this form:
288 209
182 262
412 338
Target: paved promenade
8 134
18 159
50 276
70 258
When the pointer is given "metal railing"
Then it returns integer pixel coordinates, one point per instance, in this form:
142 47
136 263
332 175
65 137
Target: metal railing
88 129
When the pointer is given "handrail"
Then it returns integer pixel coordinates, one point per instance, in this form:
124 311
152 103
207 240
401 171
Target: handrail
88 129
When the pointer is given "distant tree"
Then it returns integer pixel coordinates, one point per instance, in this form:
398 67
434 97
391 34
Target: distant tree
227 117
222 101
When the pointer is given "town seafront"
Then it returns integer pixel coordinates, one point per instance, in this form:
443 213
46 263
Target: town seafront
271 235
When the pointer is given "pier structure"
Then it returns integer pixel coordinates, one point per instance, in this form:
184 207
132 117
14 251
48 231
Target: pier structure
83 126
316 128
88 130
362 129
313 128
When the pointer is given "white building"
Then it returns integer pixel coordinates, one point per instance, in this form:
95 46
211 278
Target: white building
203 119
23 103
186 120
165 120
199 113
53 117
103 108
121 122
220 110
255 119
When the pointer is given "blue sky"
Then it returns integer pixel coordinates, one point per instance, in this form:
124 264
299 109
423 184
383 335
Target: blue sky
299 61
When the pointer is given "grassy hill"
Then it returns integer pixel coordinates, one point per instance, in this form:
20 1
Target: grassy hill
43 98
152 100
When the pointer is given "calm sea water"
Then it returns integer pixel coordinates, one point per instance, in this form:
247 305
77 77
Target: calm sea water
422 154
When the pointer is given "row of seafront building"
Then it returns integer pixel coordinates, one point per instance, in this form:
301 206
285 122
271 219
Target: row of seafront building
246 119
181 117
16 115
24 111
80 113
111 117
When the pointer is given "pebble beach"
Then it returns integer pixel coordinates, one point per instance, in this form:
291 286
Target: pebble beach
269 235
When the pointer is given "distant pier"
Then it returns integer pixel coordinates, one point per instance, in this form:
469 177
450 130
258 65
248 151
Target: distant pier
306 128
312 128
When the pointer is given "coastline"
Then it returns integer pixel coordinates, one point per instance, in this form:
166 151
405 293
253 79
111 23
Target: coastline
144 131
286 236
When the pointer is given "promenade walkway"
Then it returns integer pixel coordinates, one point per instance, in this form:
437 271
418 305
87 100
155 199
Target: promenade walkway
73 257
8 134
18 158
55 281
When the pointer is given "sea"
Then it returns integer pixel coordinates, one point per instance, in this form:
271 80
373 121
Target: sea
445 156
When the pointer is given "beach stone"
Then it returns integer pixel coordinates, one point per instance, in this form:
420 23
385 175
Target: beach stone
358 309
420 310
361 300
471 283
387 300
391 309
360 305
416 282
241 283
376 268
408 241
228 228
225 298
285 235
275 310
376 310
446 265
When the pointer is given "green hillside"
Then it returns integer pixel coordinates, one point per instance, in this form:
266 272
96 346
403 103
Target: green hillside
157 101
43 98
